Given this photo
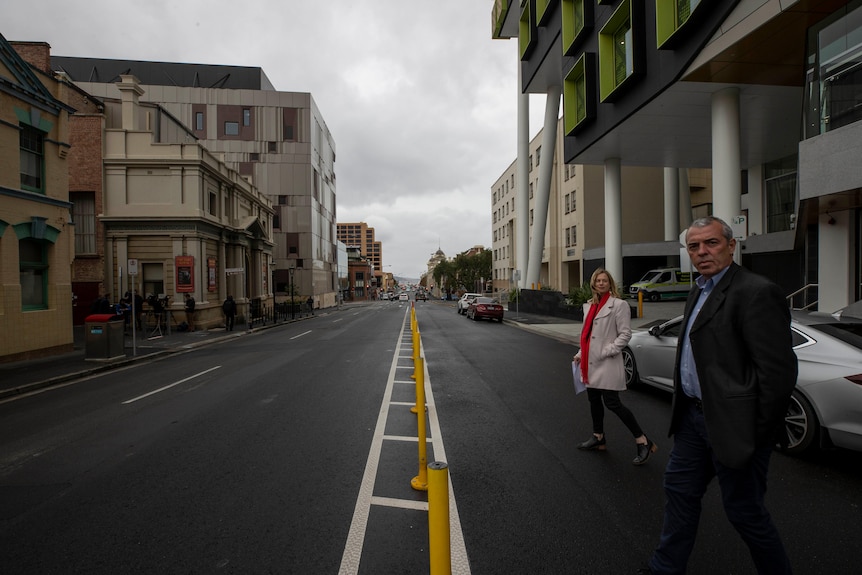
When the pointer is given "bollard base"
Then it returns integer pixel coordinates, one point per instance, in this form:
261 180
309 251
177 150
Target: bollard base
417 484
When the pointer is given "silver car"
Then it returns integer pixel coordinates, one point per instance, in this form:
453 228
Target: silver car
826 407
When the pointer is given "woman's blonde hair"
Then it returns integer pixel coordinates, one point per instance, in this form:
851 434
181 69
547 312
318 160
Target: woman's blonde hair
614 291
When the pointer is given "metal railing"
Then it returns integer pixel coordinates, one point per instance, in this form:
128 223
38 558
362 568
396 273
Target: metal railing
804 292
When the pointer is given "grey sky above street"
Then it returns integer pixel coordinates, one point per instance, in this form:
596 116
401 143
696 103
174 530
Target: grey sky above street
421 102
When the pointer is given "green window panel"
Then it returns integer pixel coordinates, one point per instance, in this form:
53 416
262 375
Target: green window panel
543 11
579 94
617 51
527 30
671 16
577 21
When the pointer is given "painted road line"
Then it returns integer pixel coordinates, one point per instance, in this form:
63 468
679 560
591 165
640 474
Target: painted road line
161 389
301 334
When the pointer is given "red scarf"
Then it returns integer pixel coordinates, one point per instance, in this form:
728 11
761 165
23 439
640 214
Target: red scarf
585 335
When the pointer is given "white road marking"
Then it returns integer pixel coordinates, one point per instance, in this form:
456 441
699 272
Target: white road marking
171 385
366 498
301 334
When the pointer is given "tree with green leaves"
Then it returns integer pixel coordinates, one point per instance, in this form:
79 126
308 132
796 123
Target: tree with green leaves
471 270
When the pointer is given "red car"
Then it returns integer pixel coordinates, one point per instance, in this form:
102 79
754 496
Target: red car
485 307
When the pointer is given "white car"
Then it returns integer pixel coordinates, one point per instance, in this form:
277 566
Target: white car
465 301
403 297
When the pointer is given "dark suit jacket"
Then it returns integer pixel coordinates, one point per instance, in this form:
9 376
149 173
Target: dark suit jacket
743 351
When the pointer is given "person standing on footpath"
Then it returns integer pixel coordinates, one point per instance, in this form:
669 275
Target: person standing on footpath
190 311
229 310
607 330
735 372
310 302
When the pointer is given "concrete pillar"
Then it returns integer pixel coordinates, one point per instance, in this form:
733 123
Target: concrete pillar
834 261
613 219
543 194
522 186
684 200
726 175
671 204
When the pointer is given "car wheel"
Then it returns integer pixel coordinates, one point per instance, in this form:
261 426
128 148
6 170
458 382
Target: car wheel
475 317
800 424
630 367
654 296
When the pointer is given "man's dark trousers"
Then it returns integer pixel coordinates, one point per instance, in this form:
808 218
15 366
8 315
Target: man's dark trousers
691 467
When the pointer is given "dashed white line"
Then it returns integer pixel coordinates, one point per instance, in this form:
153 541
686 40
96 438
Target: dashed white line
159 390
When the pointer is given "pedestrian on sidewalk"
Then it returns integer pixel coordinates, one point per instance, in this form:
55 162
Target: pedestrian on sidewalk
310 302
735 372
190 311
229 310
607 330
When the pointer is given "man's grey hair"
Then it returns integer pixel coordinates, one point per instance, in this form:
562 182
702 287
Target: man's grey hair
726 230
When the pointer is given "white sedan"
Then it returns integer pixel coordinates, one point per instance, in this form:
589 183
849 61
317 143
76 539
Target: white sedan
826 406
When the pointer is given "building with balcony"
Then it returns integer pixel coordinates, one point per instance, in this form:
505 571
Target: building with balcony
762 94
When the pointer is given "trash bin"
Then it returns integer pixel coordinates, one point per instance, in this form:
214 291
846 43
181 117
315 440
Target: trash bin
104 336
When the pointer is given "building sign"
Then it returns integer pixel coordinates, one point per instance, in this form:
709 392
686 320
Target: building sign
211 274
185 266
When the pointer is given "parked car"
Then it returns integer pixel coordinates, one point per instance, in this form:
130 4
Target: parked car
485 307
464 302
826 406
403 296
384 296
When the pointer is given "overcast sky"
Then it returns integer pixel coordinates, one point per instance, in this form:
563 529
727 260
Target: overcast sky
421 102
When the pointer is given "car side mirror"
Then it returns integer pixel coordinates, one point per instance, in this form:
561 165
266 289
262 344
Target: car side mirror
655 330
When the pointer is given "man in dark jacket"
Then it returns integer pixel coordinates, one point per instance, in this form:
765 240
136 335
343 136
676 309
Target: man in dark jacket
735 372
190 311
229 310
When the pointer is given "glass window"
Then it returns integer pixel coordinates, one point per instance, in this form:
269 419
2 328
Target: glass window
231 128
780 183
834 76
246 117
154 279
32 165
199 121
84 216
33 276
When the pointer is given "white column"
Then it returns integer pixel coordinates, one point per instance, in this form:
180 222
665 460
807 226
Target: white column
726 177
671 204
543 194
613 219
684 200
833 261
522 185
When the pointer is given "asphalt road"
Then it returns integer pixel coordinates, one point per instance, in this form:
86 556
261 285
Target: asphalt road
290 451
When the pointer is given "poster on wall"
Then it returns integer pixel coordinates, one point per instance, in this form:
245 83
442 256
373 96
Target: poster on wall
211 274
185 273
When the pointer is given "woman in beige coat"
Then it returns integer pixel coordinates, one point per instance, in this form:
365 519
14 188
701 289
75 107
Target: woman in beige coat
607 330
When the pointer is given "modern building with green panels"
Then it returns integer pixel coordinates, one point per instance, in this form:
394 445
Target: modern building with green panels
763 93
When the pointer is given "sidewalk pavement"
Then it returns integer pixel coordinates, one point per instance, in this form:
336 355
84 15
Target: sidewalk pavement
569 331
25 376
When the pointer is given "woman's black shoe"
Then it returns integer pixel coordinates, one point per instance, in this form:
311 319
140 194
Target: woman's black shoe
644 451
593 443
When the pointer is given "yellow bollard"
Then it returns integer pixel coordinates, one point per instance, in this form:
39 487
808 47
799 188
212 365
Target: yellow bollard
420 482
416 347
439 545
640 304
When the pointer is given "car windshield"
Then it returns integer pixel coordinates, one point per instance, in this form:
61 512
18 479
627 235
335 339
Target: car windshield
849 333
